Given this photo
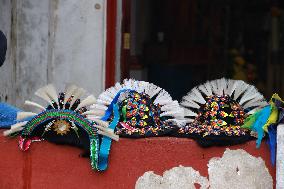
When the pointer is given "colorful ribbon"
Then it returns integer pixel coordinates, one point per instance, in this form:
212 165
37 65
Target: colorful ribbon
106 141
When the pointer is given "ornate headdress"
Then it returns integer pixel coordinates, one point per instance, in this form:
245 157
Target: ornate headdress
145 110
216 110
63 121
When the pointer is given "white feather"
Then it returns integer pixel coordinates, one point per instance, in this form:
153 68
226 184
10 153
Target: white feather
249 94
214 86
203 89
15 128
110 135
190 113
188 103
94 112
163 98
51 92
254 103
20 124
24 115
101 122
240 89
221 85
178 122
173 113
77 94
194 98
208 88
11 131
70 89
42 94
198 97
87 102
172 105
98 107
30 103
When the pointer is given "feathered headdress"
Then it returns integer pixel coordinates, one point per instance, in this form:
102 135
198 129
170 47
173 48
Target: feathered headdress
216 110
144 109
63 121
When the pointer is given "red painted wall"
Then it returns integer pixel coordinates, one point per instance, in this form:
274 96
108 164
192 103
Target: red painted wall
48 165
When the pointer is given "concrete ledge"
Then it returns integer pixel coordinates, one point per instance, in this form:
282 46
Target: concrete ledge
48 165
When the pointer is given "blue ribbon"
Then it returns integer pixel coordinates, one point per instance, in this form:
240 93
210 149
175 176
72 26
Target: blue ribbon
106 141
8 115
110 107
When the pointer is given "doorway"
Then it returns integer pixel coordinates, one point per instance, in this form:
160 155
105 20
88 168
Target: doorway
180 44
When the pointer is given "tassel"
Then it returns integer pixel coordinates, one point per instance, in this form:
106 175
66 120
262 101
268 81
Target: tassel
24 115
70 89
87 102
20 124
15 128
30 103
77 94
112 136
101 122
94 112
42 94
51 92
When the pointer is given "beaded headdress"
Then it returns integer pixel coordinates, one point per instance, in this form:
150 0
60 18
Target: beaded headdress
145 110
63 121
216 110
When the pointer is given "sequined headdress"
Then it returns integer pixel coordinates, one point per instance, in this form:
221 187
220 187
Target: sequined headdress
216 110
144 109
63 121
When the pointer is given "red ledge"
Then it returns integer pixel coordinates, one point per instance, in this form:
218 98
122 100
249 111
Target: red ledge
48 165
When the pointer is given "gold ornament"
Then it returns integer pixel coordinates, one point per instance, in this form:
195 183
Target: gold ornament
61 127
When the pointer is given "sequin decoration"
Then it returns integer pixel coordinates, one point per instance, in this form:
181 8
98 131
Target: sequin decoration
140 116
48 116
219 115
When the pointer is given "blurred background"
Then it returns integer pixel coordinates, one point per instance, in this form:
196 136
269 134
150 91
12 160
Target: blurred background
174 44
180 44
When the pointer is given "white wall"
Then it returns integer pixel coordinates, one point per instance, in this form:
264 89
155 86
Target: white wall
52 41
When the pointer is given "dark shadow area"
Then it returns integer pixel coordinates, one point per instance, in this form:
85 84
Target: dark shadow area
180 44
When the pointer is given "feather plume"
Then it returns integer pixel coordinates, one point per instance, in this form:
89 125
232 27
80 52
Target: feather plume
77 94
70 89
51 92
15 128
94 112
42 94
34 104
248 96
160 96
24 115
87 102
240 89
112 136
187 103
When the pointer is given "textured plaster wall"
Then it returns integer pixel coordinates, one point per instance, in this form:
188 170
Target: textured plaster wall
7 70
52 41
236 169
